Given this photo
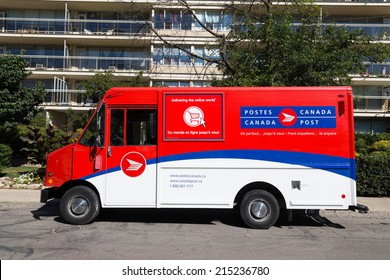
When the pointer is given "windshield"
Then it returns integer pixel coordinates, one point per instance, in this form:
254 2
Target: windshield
94 133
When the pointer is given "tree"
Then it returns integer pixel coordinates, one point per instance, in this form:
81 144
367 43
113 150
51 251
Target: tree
291 46
18 103
5 156
101 82
286 43
77 121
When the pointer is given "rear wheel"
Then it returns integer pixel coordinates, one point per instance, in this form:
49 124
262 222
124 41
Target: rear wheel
79 205
259 209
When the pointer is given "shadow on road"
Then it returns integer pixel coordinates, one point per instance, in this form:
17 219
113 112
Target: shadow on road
186 216
50 209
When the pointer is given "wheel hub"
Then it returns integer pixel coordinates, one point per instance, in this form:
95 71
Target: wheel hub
259 209
79 205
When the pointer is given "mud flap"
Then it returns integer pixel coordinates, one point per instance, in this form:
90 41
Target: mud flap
359 207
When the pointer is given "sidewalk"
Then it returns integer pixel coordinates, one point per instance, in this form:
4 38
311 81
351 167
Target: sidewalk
12 195
374 204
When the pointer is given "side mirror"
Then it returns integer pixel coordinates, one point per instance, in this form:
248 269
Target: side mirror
92 141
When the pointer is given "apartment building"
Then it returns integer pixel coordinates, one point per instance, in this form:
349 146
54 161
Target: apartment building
67 42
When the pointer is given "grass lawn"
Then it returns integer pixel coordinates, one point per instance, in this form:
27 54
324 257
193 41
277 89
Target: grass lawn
16 171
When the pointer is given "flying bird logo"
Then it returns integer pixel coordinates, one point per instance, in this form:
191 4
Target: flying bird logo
288 118
133 165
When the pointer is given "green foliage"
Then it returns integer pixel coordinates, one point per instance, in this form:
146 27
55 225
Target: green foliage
18 103
98 85
5 156
16 171
373 164
137 81
101 82
273 50
382 146
9 135
40 138
366 143
76 121
75 136
40 142
373 174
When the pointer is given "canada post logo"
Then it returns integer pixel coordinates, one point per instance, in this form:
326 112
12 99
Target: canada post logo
288 117
133 164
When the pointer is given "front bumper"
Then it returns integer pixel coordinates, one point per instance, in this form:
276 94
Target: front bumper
49 193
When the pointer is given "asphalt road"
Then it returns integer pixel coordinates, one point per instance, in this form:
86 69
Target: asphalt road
30 231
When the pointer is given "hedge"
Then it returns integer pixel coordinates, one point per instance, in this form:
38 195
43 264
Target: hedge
373 174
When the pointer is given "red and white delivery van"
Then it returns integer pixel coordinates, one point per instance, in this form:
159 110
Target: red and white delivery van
258 149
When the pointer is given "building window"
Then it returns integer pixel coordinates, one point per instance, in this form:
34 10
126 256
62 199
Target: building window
44 56
181 84
167 19
372 125
214 20
171 56
369 99
24 21
206 52
111 58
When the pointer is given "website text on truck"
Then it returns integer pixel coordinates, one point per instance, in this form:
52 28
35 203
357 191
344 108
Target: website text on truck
258 149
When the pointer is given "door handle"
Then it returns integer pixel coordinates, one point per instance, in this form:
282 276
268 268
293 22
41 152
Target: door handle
109 151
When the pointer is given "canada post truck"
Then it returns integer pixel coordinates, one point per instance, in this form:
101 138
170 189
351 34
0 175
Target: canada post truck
260 150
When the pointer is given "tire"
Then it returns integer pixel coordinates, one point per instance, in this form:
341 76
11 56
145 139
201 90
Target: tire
80 205
259 209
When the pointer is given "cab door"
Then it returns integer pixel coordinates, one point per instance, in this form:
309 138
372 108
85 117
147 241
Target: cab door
131 173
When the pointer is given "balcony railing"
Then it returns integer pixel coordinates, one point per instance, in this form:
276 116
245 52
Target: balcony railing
80 63
377 31
378 69
67 98
73 26
349 1
129 27
371 104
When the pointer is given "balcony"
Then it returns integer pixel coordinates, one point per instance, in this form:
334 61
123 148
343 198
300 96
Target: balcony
73 26
63 99
87 63
371 105
375 30
378 69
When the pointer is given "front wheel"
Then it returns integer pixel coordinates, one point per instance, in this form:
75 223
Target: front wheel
79 205
259 209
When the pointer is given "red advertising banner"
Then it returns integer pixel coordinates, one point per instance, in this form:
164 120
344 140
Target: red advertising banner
193 117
